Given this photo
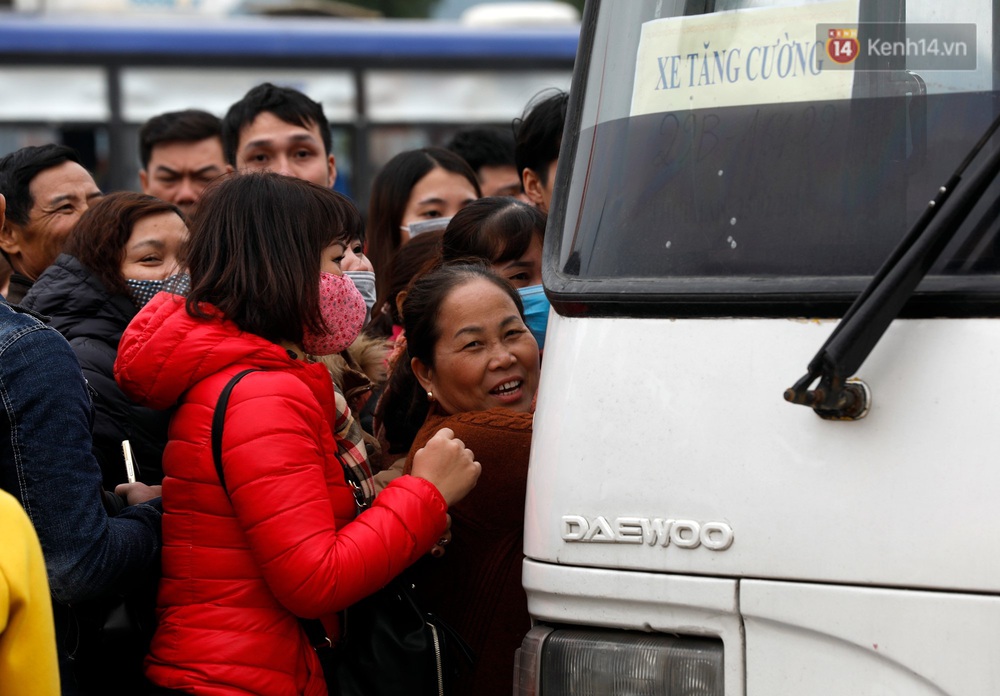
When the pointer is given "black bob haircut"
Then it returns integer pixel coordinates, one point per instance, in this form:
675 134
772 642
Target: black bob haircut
256 248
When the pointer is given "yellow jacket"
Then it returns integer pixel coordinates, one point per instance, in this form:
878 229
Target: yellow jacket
28 663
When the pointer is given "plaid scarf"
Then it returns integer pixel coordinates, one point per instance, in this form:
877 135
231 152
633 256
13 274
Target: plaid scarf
352 450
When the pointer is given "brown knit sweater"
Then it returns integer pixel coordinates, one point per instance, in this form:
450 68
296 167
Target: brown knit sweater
476 586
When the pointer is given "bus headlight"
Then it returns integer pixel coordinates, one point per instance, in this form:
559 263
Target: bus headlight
582 662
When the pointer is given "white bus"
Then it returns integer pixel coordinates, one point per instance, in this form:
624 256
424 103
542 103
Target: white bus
735 489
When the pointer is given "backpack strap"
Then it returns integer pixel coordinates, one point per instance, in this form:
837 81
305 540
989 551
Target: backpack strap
313 628
218 422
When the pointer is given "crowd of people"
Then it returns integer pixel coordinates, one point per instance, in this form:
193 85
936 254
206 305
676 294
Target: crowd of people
379 372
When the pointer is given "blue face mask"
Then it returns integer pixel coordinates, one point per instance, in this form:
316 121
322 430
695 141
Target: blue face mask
536 311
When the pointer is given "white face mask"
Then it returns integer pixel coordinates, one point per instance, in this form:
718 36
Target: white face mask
421 226
365 282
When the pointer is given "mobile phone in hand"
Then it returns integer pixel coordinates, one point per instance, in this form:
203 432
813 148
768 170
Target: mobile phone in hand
130 465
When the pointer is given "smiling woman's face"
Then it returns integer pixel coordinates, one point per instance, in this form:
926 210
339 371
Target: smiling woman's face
153 248
485 356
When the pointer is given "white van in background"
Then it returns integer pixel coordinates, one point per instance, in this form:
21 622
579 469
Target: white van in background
735 490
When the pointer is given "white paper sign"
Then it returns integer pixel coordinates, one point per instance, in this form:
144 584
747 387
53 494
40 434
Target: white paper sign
752 56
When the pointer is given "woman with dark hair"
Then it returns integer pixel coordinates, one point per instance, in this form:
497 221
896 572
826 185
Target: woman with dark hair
276 537
472 367
115 259
413 186
508 234
505 232
417 256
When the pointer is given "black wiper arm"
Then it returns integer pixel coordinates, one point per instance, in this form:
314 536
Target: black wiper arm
880 302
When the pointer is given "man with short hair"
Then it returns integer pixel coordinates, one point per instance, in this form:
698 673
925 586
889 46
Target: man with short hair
47 190
490 153
181 153
538 138
282 130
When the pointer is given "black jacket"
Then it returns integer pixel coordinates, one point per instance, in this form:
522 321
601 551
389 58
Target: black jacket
92 320
19 287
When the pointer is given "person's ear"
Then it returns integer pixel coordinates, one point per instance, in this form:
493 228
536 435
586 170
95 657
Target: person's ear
3 209
332 171
10 241
144 180
533 188
400 299
424 374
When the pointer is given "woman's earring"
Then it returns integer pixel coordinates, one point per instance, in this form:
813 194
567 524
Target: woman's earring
430 396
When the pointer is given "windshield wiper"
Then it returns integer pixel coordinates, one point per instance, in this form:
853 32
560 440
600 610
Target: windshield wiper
867 319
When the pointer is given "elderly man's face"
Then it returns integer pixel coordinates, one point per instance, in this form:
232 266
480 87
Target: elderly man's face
61 195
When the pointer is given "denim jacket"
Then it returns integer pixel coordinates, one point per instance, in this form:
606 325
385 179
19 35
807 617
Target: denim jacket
47 464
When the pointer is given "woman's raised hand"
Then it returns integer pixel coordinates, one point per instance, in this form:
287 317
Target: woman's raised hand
446 462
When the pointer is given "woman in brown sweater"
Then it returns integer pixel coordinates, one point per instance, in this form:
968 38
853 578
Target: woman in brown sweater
473 366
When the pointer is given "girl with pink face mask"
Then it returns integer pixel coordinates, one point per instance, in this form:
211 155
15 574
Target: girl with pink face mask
242 561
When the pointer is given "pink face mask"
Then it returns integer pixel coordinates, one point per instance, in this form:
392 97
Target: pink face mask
343 310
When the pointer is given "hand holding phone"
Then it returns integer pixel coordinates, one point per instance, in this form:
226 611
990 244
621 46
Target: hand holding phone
135 493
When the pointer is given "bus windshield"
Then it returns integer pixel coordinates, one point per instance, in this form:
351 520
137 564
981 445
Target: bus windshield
773 149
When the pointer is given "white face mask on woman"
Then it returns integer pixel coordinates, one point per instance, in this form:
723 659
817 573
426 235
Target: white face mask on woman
343 311
365 281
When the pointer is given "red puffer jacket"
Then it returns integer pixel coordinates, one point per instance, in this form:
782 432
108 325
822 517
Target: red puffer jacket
237 574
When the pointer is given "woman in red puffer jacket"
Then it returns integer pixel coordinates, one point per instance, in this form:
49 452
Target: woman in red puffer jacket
239 568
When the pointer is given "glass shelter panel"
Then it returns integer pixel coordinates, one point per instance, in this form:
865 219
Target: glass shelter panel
455 97
147 92
74 94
